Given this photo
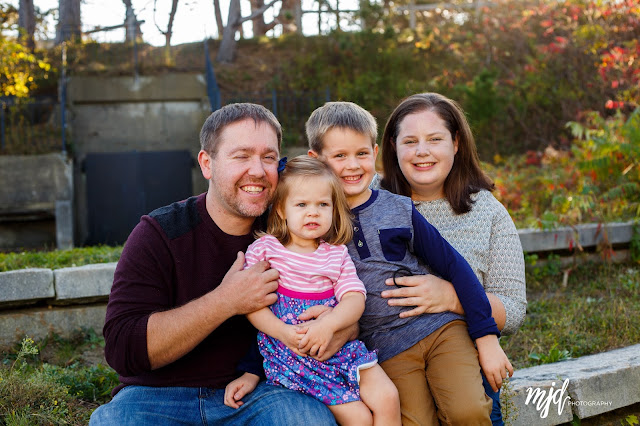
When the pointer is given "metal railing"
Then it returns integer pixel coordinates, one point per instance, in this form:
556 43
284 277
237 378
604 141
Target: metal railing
292 108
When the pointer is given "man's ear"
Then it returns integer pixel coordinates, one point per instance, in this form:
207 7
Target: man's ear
375 151
312 153
205 161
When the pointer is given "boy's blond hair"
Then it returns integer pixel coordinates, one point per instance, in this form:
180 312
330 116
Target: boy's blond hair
341 231
344 115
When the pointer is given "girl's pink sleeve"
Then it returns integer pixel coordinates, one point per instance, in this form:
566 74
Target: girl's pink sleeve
348 279
255 253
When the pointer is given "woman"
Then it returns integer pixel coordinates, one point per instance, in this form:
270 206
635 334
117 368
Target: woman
428 154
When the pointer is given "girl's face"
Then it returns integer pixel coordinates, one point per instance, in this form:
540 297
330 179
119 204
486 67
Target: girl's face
308 211
426 150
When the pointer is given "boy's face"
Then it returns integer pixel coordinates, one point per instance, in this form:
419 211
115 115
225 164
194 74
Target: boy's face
352 157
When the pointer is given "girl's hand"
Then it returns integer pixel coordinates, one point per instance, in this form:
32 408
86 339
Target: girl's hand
317 338
428 293
236 390
291 336
315 312
494 362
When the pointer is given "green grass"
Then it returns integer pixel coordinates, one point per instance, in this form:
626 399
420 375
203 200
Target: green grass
40 383
599 310
59 258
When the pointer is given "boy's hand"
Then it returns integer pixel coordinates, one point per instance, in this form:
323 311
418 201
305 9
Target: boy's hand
236 390
493 361
316 339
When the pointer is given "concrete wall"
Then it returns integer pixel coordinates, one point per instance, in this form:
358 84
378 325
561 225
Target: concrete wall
36 192
159 113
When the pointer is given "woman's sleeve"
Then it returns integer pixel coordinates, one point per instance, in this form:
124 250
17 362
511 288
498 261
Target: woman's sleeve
505 273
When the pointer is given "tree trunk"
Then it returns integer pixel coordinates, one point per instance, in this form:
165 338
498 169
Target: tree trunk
27 22
216 7
288 16
132 27
69 22
259 26
227 51
169 32
172 15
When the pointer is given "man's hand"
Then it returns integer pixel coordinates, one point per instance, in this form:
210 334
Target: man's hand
236 390
248 290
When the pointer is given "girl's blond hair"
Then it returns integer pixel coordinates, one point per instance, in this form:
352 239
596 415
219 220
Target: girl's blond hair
341 231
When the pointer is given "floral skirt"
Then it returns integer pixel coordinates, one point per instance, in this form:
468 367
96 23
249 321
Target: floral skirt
334 381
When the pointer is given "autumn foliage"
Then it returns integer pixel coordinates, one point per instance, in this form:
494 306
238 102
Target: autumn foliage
521 69
597 180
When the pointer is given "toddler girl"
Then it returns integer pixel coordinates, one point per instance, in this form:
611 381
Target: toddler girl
307 228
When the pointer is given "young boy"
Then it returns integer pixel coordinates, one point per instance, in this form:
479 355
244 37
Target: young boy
430 358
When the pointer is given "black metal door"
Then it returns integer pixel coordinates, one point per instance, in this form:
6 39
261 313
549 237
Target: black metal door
123 186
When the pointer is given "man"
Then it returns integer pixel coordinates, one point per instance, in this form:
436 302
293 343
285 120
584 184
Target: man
175 329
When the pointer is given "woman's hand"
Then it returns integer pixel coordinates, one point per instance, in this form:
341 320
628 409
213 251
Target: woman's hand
428 293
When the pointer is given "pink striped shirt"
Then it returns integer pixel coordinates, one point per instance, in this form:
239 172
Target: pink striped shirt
319 275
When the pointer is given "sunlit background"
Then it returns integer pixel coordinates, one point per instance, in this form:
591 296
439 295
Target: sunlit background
194 20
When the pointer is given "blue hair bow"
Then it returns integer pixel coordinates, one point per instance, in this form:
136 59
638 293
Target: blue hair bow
281 164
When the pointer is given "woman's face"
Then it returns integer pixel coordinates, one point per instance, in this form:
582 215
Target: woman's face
426 151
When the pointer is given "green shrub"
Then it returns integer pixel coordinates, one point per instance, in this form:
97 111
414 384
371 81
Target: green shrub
597 181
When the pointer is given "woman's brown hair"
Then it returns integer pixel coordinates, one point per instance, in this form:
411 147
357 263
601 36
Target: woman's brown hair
341 231
465 178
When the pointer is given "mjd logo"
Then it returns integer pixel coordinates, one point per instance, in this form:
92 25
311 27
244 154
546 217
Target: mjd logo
542 400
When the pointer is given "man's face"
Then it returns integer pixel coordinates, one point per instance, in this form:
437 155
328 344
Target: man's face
244 171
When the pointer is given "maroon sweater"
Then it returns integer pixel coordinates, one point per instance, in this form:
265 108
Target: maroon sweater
174 255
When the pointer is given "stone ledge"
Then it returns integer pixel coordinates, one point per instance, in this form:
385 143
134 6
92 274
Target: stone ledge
84 282
37 323
587 235
611 377
26 286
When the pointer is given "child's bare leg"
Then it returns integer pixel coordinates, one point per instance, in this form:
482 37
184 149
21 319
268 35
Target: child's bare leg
352 413
380 395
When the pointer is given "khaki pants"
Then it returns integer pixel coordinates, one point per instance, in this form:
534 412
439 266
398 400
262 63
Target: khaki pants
439 380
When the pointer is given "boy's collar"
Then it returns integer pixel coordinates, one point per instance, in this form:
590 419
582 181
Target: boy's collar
372 198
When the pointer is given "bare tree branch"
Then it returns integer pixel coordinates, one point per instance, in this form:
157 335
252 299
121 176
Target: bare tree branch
256 13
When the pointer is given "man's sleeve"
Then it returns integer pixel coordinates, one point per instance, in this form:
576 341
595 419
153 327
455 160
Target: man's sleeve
141 286
444 260
252 362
